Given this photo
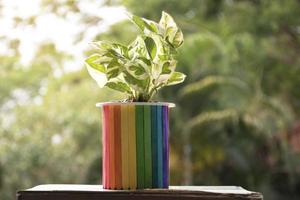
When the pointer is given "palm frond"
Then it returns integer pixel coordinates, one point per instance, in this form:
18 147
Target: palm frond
268 115
213 116
210 81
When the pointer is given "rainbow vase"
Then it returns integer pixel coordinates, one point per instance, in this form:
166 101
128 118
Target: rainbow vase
135 145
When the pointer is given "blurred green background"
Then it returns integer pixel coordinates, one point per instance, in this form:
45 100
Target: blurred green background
237 120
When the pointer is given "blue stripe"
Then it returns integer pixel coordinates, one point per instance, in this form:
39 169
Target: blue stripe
154 146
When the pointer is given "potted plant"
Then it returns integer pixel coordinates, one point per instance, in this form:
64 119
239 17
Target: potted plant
135 130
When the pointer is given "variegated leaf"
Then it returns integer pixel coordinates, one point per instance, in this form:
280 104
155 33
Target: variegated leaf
114 68
177 40
121 49
175 78
145 25
98 76
171 32
119 86
169 67
101 45
136 84
151 47
167 21
137 48
142 67
95 61
137 70
164 71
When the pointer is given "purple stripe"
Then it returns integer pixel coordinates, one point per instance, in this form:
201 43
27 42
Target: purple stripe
165 147
168 148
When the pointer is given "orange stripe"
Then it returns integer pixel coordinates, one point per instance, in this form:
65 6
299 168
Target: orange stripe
124 146
118 159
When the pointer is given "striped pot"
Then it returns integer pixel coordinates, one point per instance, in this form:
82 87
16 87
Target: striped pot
135 145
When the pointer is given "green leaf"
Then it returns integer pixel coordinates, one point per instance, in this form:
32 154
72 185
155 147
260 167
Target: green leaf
101 45
151 26
98 76
138 21
113 64
113 69
165 71
113 73
136 70
156 71
163 57
145 25
150 57
113 53
170 30
144 60
137 48
166 21
93 62
175 78
151 47
154 26
166 68
136 84
177 39
119 86
113 50
120 49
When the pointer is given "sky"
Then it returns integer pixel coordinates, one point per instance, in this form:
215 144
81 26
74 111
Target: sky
51 28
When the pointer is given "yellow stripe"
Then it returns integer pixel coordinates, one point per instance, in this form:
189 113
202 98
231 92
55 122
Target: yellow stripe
132 147
124 146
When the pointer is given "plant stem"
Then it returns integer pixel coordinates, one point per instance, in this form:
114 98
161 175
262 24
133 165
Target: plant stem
154 89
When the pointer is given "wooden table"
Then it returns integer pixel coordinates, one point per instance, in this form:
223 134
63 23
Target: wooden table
96 192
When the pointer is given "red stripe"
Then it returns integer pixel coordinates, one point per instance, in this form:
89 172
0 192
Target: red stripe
103 150
105 144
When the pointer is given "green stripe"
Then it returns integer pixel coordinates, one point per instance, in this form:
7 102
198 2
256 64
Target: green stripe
140 161
147 145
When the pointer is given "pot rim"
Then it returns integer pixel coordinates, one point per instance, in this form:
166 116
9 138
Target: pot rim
170 105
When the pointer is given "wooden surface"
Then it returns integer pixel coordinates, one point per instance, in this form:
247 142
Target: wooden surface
95 192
